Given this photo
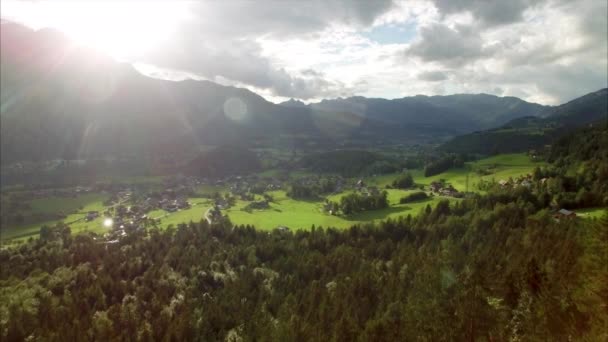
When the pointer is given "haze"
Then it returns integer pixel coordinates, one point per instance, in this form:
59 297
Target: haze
543 51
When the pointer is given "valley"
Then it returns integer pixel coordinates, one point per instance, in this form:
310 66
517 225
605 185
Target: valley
331 170
282 211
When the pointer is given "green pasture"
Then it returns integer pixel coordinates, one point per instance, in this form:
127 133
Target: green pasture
591 213
502 167
295 214
195 213
284 211
67 204
75 208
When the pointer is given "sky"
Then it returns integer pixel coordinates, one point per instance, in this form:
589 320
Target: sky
544 51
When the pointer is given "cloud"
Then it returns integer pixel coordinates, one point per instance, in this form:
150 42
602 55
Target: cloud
223 40
432 76
593 20
452 47
542 50
488 12
285 18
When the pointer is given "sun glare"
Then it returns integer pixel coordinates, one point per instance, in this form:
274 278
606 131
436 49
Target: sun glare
122 29
108 222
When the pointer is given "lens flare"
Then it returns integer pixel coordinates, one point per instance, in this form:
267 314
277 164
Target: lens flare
235 109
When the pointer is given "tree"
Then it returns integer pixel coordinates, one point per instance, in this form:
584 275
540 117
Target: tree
102 326
404 181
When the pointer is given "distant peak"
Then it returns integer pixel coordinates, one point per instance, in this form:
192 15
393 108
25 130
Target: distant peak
293 103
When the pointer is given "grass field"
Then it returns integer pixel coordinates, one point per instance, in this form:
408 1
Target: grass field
75 209
504 166
67 205
591 213
195 213
285 211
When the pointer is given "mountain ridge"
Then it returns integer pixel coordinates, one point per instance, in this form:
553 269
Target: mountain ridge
525 133
64 101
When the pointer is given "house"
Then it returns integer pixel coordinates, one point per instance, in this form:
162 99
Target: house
503 183
526 183
360 184
171 208
565 214
91 215
181 203
435 186
449 192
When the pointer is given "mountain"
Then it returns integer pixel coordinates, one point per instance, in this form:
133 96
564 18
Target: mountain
526 133
293 103
460 112
61 100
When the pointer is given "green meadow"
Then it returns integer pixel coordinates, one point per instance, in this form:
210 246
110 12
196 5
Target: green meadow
501 167
74 207
591 213
284 211
295 214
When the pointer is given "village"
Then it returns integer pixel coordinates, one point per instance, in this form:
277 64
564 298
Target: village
157 202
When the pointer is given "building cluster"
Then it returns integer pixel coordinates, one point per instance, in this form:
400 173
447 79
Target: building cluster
525 181
240 185
444 189
367 190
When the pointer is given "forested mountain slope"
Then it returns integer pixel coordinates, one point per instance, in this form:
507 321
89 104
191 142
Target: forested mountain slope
526 133
462 111
61 100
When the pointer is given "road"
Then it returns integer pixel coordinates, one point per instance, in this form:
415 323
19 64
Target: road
207 215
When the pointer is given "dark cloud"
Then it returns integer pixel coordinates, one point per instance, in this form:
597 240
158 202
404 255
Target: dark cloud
488 12
432 76
594 20
560 82
285 18
565 82
451 47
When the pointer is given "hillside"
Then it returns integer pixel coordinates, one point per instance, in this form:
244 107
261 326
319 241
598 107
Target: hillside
73 103
61 100
527 133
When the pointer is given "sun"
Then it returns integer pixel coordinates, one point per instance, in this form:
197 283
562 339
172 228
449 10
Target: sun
108 222
122 29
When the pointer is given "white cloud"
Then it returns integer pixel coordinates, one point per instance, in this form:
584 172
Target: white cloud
544 50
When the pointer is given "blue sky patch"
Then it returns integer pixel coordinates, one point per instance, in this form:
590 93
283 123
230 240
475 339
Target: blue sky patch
392 34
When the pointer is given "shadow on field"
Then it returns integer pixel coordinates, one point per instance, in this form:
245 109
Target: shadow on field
376 214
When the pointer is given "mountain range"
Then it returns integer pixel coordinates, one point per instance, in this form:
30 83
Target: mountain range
522 134
62 100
